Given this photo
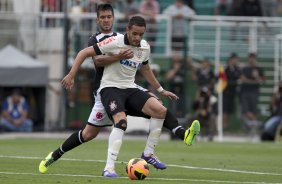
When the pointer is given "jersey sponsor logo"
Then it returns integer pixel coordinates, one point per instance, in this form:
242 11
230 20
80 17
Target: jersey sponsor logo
131 64
113 105
99 115
106 41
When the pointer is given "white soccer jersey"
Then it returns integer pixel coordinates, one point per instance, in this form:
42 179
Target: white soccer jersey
121 74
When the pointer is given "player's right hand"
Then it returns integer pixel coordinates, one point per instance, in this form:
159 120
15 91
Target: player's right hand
126 54
68 82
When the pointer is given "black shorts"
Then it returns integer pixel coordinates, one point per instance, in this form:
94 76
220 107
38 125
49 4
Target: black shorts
228 103
249 101
130 100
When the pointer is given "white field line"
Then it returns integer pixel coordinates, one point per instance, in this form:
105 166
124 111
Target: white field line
170 165
161 179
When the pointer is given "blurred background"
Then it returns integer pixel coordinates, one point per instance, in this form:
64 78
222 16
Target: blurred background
201 49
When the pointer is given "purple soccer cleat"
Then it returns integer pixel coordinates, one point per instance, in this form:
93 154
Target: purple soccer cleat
153 160
110 174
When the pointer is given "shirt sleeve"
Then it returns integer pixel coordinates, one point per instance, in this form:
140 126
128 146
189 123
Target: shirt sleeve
92 41
147 58
106 46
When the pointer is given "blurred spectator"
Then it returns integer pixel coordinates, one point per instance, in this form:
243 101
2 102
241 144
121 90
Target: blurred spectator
230 93
180 14
77 8
91 6
222 7
235 8
175 77
49 6
279 8
270 126
129 8
269 8
204 107
82 24
251 8
149 9
204 75
251 79
190 3
14 116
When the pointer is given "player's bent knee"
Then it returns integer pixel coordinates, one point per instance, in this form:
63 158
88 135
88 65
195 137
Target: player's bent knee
122 124
160 113
88 136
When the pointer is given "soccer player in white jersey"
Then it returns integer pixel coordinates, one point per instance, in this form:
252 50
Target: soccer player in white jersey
98 118
120 94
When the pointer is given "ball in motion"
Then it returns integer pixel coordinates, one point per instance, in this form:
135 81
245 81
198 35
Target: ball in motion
137 169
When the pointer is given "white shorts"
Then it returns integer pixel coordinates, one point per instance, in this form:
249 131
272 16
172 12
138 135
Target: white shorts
98 116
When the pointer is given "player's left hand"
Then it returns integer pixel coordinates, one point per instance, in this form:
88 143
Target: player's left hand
169 94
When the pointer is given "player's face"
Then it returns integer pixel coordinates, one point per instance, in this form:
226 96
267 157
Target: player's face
16 98
105 21
135 34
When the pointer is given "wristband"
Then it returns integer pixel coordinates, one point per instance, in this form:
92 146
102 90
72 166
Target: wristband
160 89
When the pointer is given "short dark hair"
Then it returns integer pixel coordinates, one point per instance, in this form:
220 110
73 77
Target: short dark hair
104 7
233 55
137 21
16 91
252 54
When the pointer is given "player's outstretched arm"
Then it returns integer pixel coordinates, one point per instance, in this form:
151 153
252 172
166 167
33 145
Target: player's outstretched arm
151 79
68 80
103 60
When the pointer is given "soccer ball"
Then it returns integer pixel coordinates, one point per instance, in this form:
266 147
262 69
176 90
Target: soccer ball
137 169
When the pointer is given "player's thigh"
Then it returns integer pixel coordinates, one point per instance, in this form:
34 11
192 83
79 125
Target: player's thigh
138 112
141 101
98 116
113 100
154 108
136 101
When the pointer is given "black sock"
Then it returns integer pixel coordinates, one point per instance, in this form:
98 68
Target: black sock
180 132
172 124
73 141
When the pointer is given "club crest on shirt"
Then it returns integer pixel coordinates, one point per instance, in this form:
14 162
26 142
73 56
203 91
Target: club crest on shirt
99 115
113 105
139 53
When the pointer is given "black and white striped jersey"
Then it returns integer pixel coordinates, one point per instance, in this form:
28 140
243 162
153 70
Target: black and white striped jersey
94 39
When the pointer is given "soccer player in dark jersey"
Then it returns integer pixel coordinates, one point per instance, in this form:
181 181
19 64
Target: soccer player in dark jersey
98 117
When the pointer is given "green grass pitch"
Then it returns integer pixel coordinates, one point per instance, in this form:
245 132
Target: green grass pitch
222 163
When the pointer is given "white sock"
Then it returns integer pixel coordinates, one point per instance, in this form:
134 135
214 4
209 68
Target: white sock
155 128
115 141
